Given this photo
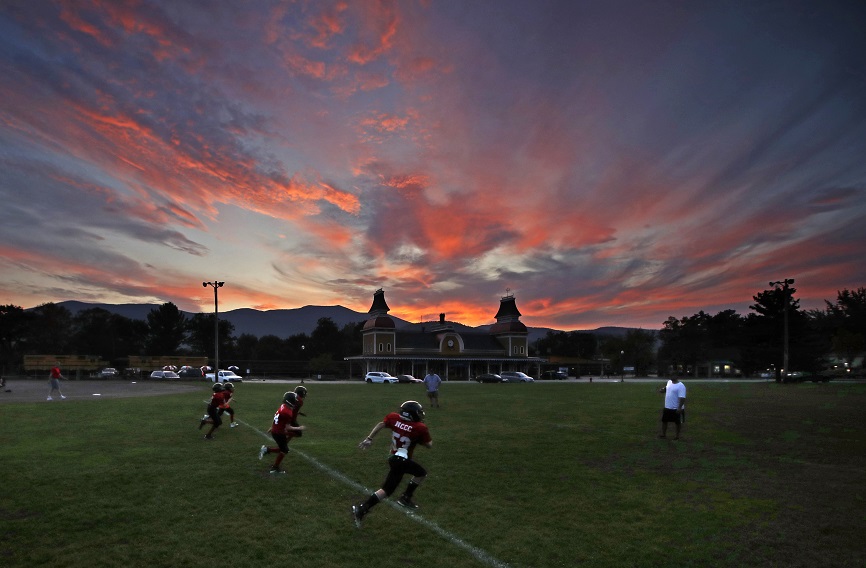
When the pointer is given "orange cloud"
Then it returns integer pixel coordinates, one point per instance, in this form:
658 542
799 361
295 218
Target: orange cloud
75 20
328 24
381 23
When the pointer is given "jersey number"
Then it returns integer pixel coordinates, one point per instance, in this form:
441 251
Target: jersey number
399 441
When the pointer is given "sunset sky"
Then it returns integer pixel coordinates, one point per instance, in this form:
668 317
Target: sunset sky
607 162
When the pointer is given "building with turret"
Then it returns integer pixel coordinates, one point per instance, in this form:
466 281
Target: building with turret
453 351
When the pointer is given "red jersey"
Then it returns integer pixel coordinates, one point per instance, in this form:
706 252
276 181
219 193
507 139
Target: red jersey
283 418
405 433
227 395
216 399
55 372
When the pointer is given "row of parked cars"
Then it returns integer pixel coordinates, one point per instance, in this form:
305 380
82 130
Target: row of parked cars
387 378
503 377
224 376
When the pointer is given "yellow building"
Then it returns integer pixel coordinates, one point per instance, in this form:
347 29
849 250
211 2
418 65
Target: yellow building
453 351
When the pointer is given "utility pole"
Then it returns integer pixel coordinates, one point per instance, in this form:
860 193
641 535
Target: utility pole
216 336
784 284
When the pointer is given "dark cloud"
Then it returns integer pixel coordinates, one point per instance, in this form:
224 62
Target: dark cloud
610 163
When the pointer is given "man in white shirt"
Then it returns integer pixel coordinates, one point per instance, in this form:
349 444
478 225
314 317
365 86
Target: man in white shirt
675 403
432 382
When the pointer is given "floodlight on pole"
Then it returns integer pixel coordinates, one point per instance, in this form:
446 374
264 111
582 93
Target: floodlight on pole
784 286
216 337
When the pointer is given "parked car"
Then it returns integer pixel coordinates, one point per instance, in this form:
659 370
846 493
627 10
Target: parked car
516 377
225 377
191 373
165 375
380 377
554 375
408 379
489 378
108 373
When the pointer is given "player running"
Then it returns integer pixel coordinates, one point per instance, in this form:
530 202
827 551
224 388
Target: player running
301 393
213 415
407 430
225 407
282 430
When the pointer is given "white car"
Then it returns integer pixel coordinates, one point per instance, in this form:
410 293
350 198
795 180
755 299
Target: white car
225 377
516 377
380 377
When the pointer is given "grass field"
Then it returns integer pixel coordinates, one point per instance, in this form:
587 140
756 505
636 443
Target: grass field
538 475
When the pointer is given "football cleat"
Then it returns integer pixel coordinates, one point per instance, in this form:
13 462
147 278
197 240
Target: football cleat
412 410
276 471
406 502
262 451
234 424
357 514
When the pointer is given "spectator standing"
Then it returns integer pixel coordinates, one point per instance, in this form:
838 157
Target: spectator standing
674 409
432 382
54 377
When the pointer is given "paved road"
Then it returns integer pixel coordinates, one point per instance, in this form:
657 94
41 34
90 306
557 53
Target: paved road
35 390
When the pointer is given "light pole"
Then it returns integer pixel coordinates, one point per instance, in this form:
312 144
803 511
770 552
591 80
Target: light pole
622 366
216 336
785 290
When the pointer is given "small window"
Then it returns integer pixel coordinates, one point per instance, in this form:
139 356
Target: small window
380 347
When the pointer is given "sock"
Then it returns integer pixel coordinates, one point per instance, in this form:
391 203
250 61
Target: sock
279 460
410 490
371 502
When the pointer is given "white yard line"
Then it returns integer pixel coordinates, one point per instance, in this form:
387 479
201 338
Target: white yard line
479 554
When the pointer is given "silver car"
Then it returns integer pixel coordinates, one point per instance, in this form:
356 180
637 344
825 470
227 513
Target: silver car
516 377
169 375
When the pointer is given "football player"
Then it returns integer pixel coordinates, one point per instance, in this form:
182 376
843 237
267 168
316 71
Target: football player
213 414
301 392
407 430
228 393
281 429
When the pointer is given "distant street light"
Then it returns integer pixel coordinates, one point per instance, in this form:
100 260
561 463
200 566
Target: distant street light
622 366
216 336
785 290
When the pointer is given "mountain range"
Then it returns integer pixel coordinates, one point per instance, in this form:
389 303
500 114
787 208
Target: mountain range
285 323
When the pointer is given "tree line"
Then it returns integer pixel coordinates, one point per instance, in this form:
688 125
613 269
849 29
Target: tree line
751 345
54 330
